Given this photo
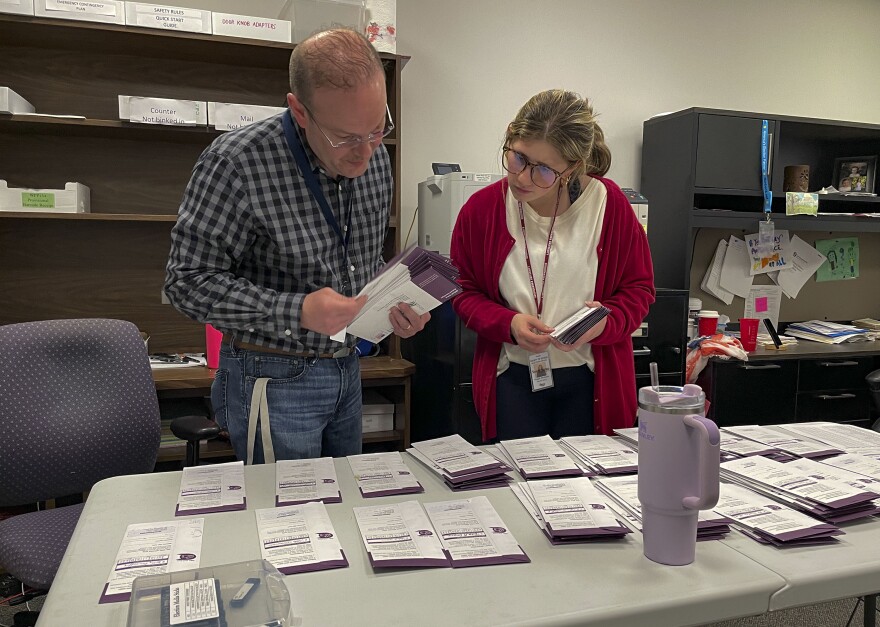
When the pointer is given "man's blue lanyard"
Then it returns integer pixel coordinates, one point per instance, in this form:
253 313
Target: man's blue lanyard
299 153
765 173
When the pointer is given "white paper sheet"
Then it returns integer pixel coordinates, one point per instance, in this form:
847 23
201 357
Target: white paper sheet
299 538
735 276
805 260
711 280
214 488
399 534
763 302
473 533
383 474
303 480
153 548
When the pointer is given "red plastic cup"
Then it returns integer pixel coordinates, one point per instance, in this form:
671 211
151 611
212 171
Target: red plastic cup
748 333
213 339
708 322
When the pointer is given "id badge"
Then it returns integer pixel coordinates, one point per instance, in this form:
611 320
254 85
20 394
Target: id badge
540 371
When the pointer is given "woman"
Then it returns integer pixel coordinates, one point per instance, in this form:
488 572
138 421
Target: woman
584 246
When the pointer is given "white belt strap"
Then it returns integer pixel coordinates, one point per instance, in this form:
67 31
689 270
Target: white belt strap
260 412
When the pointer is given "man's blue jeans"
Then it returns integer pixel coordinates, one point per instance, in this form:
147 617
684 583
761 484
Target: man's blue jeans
314 403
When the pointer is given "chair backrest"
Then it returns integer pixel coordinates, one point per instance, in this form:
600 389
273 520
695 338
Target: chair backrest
77 405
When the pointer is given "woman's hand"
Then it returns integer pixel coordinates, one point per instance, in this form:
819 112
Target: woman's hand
530 333
587 337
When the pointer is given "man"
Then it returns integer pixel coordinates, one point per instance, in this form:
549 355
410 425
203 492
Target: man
281 224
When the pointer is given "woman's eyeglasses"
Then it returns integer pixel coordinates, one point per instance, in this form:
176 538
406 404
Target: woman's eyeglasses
348 142
542 175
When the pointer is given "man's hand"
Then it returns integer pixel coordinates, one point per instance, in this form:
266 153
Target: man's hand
587 337
530 333
328 312
405 321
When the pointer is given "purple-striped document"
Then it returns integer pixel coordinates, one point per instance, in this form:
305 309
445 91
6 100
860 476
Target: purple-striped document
399 535
299 538
214 488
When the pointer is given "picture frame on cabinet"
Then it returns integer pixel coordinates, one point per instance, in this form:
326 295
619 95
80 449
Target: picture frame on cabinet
855 174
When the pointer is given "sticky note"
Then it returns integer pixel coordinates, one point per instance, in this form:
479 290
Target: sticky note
761 304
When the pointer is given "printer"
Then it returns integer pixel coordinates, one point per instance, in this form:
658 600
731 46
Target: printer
441 197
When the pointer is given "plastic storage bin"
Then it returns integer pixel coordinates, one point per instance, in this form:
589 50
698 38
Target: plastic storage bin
310 16
245 593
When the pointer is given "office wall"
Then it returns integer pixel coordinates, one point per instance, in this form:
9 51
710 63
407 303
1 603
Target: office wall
475 62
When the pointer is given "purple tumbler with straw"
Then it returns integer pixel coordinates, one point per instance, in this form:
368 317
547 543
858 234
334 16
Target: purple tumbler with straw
679 454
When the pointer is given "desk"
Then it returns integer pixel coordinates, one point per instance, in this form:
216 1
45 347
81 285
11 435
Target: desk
808 382
609 583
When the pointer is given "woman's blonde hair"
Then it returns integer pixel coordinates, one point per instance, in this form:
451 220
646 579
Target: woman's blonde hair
567 122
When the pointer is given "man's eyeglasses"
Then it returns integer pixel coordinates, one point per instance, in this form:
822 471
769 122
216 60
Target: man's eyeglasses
349 142
542 175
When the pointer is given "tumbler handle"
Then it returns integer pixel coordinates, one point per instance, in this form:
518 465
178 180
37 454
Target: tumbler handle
710 458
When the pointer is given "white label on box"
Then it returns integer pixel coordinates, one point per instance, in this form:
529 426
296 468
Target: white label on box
162 111
193 601
251 27
81 6
171 18
227 117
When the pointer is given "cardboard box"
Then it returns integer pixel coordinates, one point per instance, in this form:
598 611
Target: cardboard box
169 111
178 19
106 11
227 116
74 198
310 16
19 7
11 102
377 412
232 25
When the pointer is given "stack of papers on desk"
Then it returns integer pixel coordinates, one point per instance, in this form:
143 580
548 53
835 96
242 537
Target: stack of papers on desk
572 328
624 492
630 435
299 538
473 534
831 501
734 446
539 457
214 488
461 533
844 437
161 361
827 332
303 480
399 535
460 464
780 440
866 465
767 521
569 510
383 474
153 548
420 278
602 454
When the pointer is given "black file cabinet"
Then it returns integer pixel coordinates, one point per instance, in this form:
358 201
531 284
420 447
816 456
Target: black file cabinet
806 383
442 400
662 339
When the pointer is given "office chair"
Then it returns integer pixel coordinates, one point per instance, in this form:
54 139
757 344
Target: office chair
77 405
873 380
193 429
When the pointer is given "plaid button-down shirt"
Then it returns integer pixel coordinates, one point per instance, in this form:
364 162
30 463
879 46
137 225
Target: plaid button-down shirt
250 240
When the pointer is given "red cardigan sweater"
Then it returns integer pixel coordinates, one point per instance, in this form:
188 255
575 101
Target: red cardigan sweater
624 284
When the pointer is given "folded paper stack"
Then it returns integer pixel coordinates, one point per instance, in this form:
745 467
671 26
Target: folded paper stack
418 277
460 464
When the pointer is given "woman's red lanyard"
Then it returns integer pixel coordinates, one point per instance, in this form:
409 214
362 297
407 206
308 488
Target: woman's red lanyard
539 303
